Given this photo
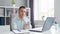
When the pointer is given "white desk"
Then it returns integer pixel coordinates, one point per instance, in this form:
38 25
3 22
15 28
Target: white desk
5 29
51 31
6 32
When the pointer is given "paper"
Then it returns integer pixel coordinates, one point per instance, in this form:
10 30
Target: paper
22 31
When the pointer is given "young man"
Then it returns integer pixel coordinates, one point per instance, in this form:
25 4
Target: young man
21 22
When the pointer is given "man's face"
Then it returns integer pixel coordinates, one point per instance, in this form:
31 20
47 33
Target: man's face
22 12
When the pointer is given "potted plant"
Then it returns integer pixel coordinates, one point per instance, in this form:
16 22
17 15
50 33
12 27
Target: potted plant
13 2
43 17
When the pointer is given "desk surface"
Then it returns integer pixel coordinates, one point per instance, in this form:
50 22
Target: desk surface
46 32
51 31
6 32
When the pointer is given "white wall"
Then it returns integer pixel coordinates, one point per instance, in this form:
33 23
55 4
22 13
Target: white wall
8 2
43 8
57 10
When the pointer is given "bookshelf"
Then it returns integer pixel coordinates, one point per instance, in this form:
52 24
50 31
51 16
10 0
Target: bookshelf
7 11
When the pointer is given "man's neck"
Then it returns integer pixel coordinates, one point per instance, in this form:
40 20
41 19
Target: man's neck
21 17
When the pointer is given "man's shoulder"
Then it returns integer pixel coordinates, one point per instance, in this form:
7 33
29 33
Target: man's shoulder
15 18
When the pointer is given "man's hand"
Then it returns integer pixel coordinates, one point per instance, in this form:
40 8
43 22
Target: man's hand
26 26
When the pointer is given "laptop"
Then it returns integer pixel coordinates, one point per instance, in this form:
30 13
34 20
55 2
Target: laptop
47 25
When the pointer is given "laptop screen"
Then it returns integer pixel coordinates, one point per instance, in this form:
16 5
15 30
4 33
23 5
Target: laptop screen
48 23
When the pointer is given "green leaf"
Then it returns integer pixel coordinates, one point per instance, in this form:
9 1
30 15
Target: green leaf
13 2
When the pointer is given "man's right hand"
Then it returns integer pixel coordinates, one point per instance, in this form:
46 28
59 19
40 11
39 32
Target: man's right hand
26 26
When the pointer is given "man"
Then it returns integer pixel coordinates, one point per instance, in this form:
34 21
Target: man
21 22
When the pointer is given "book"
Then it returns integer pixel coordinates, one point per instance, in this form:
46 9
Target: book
2 20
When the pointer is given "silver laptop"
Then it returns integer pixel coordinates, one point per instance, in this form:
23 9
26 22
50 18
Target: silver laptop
47 25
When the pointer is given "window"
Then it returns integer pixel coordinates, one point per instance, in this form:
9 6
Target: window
43 8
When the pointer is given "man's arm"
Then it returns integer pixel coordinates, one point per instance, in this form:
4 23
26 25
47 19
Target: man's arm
27 26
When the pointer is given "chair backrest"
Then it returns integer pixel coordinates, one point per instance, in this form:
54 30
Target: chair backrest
48 23
32 23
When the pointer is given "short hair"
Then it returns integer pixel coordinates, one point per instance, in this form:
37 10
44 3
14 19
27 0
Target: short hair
21 7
